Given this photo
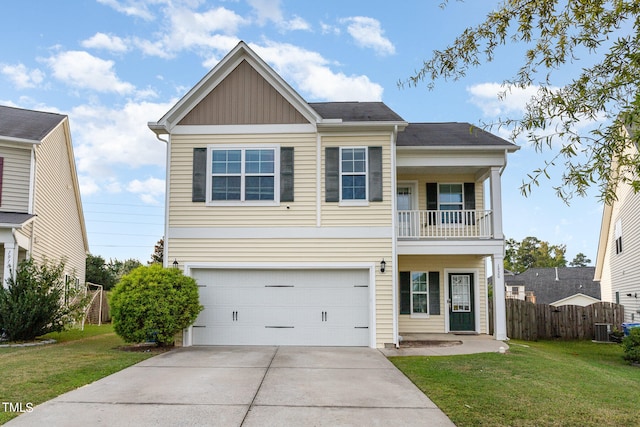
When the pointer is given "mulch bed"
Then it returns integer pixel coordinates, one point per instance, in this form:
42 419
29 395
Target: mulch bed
145 348
431 343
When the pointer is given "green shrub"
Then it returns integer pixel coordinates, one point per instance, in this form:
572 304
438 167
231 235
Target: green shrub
33 303
631 346
153 304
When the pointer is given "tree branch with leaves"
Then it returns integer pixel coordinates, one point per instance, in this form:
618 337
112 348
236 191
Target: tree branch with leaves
604 94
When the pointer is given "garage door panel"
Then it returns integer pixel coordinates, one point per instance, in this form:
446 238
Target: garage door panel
283 307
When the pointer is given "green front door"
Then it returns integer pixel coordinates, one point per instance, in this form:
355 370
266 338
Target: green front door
461 310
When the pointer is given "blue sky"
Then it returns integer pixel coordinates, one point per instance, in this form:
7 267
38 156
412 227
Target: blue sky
114 65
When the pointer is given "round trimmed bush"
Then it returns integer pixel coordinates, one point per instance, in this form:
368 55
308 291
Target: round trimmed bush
631 346
153 304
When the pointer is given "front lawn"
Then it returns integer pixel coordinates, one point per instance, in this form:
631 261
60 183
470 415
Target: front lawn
546 383
36 374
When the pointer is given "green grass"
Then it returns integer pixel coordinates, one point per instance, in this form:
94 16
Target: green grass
547 383
37 374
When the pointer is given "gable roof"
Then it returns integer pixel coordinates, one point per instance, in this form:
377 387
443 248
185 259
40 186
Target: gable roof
14 219
570 281
449 135
17 124
222 70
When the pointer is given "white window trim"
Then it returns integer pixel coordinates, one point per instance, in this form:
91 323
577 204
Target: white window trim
365 201
419 315
449 224
244 147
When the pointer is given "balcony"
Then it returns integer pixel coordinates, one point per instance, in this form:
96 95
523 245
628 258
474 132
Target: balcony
444 224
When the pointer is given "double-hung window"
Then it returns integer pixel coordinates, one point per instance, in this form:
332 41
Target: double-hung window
419 293
243 174
451 198
353 174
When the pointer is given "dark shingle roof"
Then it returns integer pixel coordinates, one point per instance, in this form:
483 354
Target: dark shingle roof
542 281
27 124
448 135
356 111
14 218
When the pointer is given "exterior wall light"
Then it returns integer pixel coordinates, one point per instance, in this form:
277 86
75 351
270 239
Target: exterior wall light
175 263
383 266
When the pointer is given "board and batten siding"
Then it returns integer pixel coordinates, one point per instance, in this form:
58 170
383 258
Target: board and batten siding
16 177
185 213
436 323
57 227
374 213
295 252
243 97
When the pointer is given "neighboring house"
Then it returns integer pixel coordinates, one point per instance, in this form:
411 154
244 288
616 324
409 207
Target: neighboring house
332 223
554 286
617 265
40 209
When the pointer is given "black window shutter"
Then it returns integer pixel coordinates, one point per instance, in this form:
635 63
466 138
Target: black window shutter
434 292
470 202
375 174
286 174
332 174
432 201
199 183
405 292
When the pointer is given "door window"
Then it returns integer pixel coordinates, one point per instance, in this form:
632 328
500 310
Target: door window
460 293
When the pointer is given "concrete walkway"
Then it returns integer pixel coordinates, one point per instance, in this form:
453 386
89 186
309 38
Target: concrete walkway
445 345
247 386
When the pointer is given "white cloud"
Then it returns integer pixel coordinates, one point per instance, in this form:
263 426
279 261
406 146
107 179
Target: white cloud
367 32
487 96
82 70
310 72
88 185
134 8
106 42
106 139
21 76
148 190
271 11
329 29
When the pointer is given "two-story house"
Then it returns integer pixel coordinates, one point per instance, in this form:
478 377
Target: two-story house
40 208
333 223
617 266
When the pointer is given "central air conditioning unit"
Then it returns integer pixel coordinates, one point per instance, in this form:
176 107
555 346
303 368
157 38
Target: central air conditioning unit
602 331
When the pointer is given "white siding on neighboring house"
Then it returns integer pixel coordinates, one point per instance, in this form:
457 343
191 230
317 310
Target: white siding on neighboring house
15 178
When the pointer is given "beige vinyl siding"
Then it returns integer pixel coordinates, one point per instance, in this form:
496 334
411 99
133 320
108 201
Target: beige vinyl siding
58 231
15 178
436 324
374 213
423 179
243 97
185 213
300 251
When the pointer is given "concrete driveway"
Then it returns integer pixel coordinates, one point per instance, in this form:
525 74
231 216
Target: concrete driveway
247 386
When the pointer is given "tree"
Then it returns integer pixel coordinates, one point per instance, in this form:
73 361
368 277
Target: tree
157 257
153 304
557 34
33 304
98 272
120 268
580 260
532 252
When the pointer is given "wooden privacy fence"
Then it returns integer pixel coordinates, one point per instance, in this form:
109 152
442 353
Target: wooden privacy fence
531 322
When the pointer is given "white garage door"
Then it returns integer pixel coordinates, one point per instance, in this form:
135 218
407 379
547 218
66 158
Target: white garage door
283 307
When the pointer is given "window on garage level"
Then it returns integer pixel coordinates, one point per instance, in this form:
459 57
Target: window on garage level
420 293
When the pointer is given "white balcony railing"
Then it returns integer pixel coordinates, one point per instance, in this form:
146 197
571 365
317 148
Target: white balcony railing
447 224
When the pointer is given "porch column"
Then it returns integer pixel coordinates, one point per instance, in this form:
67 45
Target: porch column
499 310
10 263
495 187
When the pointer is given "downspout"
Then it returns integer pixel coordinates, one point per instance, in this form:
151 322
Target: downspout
394 239
504 166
